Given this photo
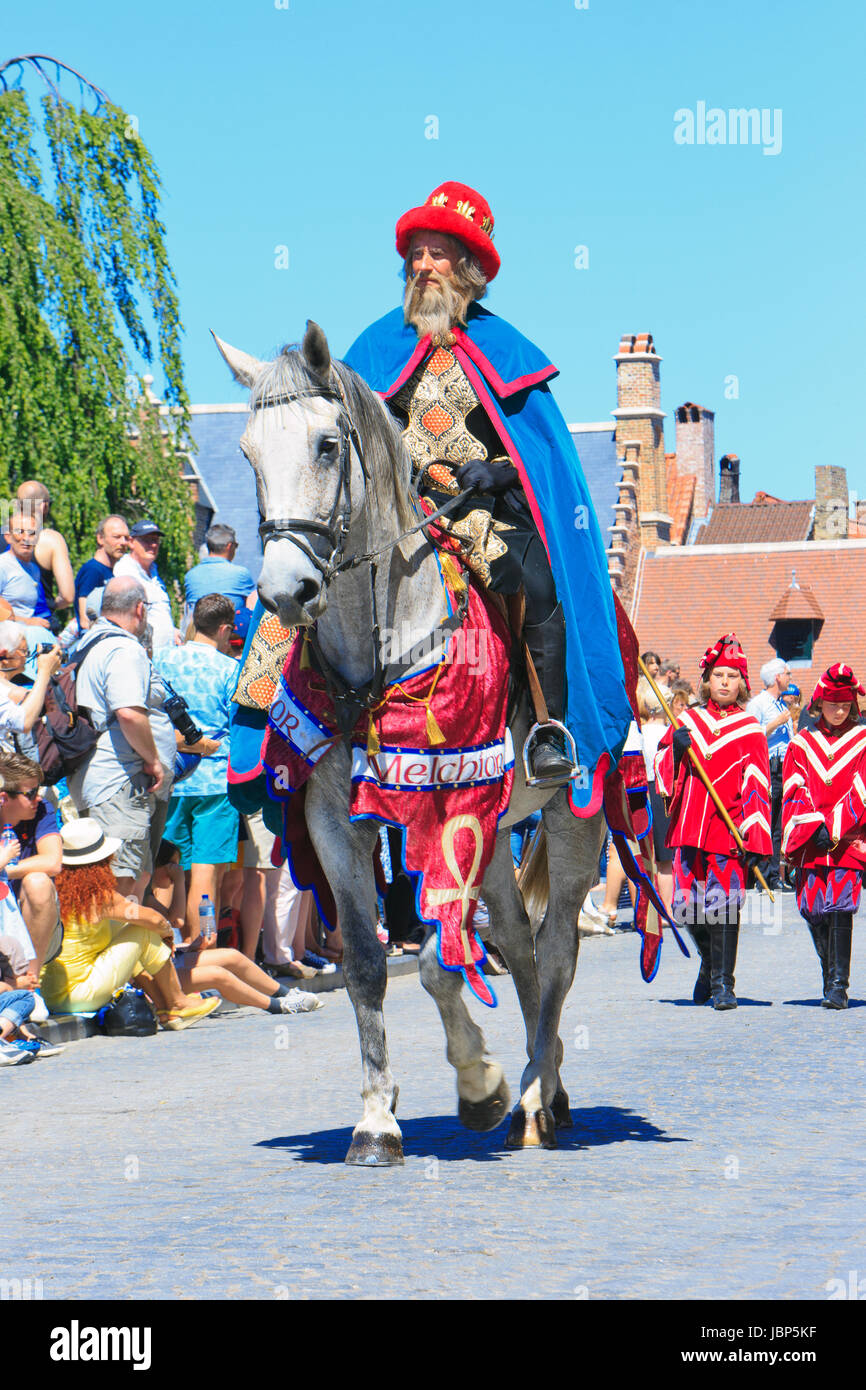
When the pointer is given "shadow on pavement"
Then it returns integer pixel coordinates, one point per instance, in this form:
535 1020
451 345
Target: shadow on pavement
743 1003
816 1004
443 1137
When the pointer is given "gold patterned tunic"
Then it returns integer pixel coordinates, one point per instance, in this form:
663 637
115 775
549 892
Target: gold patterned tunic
437 401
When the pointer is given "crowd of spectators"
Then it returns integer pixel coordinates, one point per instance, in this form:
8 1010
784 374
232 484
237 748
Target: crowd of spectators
132 869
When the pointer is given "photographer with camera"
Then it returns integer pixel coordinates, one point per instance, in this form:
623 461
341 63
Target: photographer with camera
201 820
126 781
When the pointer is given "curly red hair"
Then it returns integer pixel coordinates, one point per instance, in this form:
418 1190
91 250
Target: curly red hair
85 891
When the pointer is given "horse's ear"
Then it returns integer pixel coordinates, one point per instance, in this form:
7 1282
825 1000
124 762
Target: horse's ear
242 366
317 354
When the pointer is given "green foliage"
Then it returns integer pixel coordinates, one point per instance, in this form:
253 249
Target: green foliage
80 251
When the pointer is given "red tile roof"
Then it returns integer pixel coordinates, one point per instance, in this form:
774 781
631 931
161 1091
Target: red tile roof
687 596
744 523
798 601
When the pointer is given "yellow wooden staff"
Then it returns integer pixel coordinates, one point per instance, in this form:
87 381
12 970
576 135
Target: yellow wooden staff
671 718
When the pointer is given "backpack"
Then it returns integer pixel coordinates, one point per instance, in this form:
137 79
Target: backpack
64 734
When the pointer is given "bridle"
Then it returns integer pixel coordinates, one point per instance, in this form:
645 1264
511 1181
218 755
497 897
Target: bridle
348 700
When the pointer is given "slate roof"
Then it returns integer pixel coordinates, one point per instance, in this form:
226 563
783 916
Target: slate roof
746 523
596 447
228 477
688 595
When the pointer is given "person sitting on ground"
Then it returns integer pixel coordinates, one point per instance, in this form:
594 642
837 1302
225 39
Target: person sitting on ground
32 873
108 940
112 543
18 1042
20 577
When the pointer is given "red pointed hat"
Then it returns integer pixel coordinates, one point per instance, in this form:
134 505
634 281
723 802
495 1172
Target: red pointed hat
459 211
837 683
726 652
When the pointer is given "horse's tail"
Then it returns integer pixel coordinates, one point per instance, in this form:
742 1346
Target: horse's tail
533 878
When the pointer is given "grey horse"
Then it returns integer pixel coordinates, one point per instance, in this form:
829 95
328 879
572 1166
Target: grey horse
333 479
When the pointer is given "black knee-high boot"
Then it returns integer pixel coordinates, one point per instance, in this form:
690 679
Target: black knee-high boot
723 959
819 936
700 934
546 642
838 961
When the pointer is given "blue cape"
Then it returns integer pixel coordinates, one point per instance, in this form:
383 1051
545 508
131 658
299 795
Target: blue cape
510 375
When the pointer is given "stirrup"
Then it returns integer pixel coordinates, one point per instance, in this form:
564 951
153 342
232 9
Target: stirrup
570 752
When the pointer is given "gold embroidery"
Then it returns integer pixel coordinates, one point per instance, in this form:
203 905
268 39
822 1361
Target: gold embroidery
437 399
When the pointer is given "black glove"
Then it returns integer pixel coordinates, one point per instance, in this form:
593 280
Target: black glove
682 742
821 840
487 475
754 861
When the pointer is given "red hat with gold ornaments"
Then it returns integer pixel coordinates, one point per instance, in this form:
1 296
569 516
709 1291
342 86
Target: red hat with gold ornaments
460 212
838 683
726 652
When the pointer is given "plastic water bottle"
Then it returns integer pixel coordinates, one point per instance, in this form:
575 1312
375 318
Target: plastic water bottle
206 919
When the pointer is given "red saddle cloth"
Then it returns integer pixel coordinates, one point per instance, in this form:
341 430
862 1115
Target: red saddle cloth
434 756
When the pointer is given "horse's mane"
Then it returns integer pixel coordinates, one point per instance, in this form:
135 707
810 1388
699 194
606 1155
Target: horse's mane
384 452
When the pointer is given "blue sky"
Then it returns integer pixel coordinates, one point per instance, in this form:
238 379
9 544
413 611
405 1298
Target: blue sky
304 127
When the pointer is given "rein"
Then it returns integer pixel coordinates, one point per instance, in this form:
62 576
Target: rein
349 701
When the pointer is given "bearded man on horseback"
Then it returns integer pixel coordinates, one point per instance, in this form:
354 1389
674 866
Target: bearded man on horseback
479 420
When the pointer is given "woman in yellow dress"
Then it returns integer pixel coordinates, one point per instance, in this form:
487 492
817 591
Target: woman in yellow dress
108 940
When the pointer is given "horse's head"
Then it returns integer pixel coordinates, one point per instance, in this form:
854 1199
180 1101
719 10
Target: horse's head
302 438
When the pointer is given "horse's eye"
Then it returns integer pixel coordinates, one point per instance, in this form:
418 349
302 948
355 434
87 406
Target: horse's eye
328 448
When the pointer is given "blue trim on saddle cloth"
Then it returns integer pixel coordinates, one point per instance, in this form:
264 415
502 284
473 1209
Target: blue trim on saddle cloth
507 372
502 750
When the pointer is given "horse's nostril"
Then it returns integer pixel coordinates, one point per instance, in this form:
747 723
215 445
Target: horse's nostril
267 603
306 591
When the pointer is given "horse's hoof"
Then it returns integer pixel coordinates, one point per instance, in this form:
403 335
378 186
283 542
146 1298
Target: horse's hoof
535 1130
375 1150
485 1114
561 1111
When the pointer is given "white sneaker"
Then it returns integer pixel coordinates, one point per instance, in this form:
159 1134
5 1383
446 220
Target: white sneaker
12 1056
300 1001
40 1009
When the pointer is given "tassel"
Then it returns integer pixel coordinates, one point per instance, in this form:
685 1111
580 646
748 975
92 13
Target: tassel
434 733
451 574
373 744
305 662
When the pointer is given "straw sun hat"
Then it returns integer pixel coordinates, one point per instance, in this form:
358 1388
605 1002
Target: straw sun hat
84 842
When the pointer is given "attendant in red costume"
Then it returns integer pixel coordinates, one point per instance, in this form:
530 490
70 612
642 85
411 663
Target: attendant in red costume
709 870
824 823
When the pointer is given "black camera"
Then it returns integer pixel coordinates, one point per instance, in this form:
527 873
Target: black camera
44 647
177 709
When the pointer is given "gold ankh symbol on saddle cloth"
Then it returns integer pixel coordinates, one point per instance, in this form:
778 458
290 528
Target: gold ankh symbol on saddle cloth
465 890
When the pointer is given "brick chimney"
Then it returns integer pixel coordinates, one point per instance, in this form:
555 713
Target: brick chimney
696 452
729 479
831 503
640 433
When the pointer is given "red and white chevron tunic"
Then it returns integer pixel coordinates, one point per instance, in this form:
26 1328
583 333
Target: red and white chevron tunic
825 784
732 749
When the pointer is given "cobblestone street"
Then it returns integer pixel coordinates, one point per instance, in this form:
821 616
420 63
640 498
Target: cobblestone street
711 1155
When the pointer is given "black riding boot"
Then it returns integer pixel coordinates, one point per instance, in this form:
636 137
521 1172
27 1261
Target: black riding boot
550 758
700 934
819 938
723 958
838 961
